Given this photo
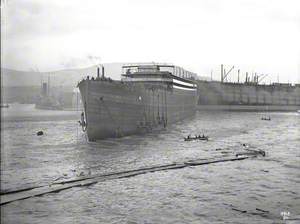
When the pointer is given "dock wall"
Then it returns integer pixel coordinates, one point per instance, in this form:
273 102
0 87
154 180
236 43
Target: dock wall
217 93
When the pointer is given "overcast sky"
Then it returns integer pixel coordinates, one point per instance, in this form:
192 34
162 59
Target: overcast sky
260 36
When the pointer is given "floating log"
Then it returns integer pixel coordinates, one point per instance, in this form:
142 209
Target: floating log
261 210
88 180
242 211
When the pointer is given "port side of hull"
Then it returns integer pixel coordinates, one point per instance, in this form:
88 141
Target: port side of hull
115 109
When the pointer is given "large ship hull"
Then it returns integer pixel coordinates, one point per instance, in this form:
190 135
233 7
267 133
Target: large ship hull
117 108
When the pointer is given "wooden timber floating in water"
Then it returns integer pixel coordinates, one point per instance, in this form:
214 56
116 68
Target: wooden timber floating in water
85 181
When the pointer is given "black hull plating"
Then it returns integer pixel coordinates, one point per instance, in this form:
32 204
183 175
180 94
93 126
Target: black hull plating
115 109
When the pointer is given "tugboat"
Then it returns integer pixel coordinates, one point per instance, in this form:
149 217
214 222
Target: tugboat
46 101
5 105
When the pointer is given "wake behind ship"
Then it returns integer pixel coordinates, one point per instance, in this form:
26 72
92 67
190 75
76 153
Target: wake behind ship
148 96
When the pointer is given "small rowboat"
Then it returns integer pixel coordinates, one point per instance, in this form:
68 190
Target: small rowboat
205 138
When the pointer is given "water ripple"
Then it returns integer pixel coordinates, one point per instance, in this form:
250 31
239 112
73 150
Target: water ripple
217 193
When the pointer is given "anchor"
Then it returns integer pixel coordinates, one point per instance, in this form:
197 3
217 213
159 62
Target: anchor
82 122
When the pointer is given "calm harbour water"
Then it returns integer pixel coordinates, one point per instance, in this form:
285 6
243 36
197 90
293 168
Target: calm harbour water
214 193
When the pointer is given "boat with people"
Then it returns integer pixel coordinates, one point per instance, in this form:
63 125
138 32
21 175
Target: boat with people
266 118
197 137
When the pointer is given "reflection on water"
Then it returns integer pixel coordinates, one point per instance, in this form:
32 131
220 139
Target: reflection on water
207 194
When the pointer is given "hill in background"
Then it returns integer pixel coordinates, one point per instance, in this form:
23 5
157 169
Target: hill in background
25 86
68 77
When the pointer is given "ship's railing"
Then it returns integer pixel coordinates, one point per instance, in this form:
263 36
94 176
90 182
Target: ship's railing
130 69
145 68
